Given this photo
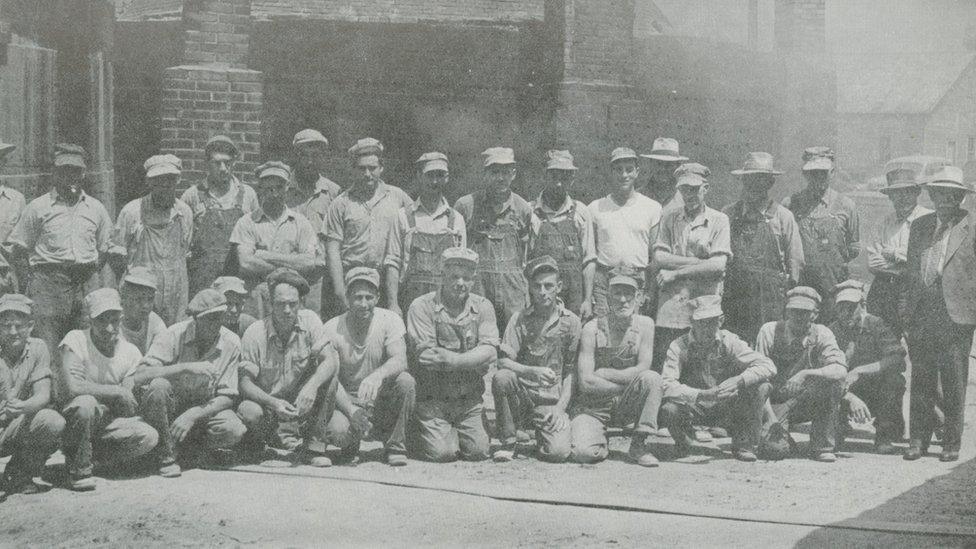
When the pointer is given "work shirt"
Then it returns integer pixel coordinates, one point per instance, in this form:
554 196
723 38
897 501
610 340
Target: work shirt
199 197
782 224
622 234
17 380
582 220
314 206
870 341
244 322
704 236
358 360
176 346
691 365
54 232
278 367
131 223
427 222
555 337
362 227
93 366
148 333
12 205
831 204
291 233
816 349
892 235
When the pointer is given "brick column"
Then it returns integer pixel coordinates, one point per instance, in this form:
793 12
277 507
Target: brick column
214 92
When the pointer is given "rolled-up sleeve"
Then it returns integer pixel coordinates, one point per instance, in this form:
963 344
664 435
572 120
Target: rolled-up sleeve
25 232
421 333
720 242
671 372
665 235
755 367
253 346
584 220
228 377
394 242
334 229
511 344
828 351
487 326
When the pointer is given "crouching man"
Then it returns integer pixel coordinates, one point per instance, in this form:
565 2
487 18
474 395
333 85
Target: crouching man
617 385
876 359
809 380
96 378
288 375
534 381
376 394
29 431
713 378
187 383
452 339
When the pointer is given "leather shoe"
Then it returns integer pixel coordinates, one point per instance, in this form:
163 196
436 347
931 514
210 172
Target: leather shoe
949 455
915 451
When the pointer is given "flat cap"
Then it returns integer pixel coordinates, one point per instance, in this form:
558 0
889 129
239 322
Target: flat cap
498 155
140 276
291 277
16 302
849 290
758 162
950 177
162 164
560 160
665 149
692 174
223 144
102 301
69 154
207 301
459 254
818 158
6 148
543 263
622 153
367 274
432 161
309 136
624 280
224 284
273 168
366 146
706 306
803 297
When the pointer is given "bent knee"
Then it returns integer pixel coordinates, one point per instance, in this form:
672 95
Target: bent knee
250 412
405 384
589 454
555 453
82 407
49 422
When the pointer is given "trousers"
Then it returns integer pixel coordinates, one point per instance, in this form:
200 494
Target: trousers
58 304
30 440
389 417
883 396
448 427
742 415
939 354
819 403
265 427
515 407
93 432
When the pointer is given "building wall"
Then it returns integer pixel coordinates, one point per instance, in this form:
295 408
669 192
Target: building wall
859 141
954 121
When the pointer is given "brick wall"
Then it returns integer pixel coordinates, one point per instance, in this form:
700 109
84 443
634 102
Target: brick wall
216 32
598 38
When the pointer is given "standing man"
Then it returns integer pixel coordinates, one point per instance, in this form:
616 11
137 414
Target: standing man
452 339
829 226
767 251
876 363
616 383
693 247
96 380
236 294
360 219
376 393
274 236
65 234
498 226
140 325
537 369
12 205
217 203
421 233
661 183
29 430
712 377
939 311
562 228
810 373
888 246
625 225
187 383
155 232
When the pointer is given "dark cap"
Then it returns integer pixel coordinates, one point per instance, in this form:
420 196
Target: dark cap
284 275
223 144
539 264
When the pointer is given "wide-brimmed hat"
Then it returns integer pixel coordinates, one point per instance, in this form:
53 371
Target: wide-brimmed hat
899 178
950 177
665 149
758 162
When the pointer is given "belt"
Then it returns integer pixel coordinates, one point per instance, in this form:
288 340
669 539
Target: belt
70 269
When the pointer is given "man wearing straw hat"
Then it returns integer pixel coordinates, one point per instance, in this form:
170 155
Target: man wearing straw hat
661 183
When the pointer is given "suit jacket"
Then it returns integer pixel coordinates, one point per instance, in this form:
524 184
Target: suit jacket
958 274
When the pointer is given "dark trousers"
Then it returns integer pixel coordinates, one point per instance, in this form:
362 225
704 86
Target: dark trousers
819 403
883 396
265 427
663 337
92 431
742 415
939 352
30 439
58 302
389 417
515 407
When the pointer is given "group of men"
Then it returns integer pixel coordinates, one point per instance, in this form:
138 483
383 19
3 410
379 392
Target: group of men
644 309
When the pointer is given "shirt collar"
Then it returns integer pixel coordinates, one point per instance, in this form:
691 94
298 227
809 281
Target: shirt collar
260 216
469 305
561 311
507 205
55 196
540 205
273 334
190 333
714 341
440 210
701 219
174 212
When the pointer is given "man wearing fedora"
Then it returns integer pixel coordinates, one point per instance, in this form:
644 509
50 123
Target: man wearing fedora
887 247
661 183
12 204
767 252
938 309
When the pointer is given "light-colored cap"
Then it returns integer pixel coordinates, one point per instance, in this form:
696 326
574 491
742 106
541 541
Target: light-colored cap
6 148
432 161
498 155
162 164
691 174
538 264
274 169
950 177
69 154
622 153
899 178
818 158
16 302
366 146
102 301
560 160
706 306
367 274
459 254
207 301
224 284
624 280
223 144
665 149
140 276
758 162
309 136
849 290
804 298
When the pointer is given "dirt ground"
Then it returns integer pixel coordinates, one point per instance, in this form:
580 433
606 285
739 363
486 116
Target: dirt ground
862 500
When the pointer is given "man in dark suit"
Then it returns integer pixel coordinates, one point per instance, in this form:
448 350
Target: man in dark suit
939 311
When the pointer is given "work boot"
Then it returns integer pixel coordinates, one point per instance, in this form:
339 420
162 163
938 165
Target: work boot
885 448
307 457
744 454
15 482
81 484
702 434
170 470
641 453
718 432
949 455
915 450
396 459
504 454
825 457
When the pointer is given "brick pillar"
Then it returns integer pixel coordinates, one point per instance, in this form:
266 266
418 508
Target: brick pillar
214 92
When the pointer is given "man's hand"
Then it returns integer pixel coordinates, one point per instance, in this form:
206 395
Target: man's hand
183 424
305 401
126 401
544 376
369 388
359 422
795 384
15 408
437 358
877 262
586 309
556 421
889 254
665 277
707 397
729 388
284 410
859 410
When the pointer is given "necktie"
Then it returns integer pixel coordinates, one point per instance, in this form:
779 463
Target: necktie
933 256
